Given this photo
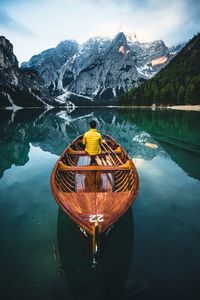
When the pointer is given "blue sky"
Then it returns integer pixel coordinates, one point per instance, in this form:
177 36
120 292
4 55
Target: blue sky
35 25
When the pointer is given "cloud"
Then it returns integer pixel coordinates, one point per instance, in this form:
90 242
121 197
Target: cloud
171 20
48 22
9 23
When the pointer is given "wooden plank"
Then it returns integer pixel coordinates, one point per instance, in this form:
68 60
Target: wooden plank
82 206
107 177
94 193
124 167
93 182
79 178
118 150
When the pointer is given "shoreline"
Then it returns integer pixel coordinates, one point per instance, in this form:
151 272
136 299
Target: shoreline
185 107
175 107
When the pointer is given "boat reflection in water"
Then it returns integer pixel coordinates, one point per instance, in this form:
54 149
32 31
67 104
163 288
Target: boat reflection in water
166 213
107 281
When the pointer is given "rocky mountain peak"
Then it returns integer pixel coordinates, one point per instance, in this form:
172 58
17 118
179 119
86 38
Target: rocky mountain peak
66 49
120 38
66 43
19 88
8 62
119 43
101 67
7 58
48 62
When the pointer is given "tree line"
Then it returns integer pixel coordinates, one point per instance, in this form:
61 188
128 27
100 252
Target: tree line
176 84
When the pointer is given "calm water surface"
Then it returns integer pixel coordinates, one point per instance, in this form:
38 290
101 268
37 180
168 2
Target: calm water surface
153 251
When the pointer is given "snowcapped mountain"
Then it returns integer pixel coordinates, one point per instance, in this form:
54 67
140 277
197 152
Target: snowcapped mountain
175 49
49 62
100 68
19 87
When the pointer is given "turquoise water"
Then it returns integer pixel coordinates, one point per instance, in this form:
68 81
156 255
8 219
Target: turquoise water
153 251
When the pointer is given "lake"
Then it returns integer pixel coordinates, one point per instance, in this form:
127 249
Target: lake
152 252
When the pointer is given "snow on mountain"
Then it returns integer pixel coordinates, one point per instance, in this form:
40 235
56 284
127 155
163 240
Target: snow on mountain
100 68
49 62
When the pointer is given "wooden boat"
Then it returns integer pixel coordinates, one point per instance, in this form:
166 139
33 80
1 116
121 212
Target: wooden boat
94 193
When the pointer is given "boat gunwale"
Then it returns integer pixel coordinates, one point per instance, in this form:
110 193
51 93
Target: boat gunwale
130 199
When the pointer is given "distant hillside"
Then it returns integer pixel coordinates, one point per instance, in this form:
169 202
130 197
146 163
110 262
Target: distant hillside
178 83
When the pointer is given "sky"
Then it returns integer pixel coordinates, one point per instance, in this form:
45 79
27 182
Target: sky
36 25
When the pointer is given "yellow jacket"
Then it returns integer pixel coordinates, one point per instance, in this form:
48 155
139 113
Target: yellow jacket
92 140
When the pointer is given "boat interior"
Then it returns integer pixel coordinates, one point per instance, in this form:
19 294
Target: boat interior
106 172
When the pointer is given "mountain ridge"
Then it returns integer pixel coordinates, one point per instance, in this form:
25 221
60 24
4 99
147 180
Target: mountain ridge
93 73
101 68
19 87
177 84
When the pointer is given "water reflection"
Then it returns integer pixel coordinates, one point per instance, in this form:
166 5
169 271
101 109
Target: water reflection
108 281
188 161
176 126
54 129
166 213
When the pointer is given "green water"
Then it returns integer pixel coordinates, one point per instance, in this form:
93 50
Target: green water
153 251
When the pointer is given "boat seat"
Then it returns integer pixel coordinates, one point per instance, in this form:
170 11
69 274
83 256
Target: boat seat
124 167
118 150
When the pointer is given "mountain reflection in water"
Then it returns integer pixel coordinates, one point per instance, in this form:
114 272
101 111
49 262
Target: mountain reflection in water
164 262
53 130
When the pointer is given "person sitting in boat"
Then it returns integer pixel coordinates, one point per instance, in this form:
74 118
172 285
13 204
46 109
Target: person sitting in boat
92 140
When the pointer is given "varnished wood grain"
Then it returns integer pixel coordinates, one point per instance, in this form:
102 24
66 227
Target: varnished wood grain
104 187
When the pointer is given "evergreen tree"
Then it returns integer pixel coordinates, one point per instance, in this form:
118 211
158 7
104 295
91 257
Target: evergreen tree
177 83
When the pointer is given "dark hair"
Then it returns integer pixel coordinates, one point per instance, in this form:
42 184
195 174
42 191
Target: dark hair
93 124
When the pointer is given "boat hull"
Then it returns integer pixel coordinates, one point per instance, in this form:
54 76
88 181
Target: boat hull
94 194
